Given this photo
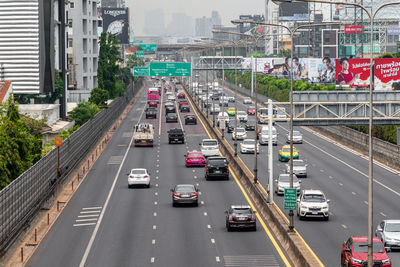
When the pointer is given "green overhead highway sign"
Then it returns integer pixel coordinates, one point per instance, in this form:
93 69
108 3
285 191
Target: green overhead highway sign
149 47
176 69
140 71
290 200
137 41
139 53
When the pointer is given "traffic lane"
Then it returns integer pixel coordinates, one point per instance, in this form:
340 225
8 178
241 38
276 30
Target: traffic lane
55 248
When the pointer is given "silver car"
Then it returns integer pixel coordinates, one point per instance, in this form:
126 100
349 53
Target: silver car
389 232
297 137
299 168
239 134
247 146
283 182
242 116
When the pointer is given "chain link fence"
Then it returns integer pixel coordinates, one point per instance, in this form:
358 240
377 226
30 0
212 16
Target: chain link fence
22 198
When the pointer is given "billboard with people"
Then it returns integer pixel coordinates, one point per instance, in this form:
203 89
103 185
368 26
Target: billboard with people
353 72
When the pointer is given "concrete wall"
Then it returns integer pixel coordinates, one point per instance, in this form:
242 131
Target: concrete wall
50 112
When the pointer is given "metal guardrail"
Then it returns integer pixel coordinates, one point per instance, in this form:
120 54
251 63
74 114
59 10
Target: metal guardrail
22 198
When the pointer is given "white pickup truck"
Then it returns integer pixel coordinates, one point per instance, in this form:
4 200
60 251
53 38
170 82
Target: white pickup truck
143 134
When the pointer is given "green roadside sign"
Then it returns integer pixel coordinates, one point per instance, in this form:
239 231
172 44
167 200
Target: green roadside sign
139 53
141 71
290 200
174 69
149 47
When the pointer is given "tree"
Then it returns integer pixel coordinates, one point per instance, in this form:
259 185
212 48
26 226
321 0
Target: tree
125 76
84 112
134 61
98 96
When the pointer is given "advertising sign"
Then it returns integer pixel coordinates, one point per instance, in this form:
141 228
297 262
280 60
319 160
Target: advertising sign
321 70
354 29
387 71
353 72
115 21
393 31
293 11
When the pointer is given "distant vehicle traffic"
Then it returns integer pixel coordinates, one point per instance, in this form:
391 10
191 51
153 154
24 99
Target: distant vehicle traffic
143 134
240 217
247 100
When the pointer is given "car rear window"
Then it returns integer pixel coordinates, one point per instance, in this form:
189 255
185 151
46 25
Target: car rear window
218 162
313 198
286 179
362 247
138 171
184 188
196 155
248 142
210 143
298 163
241 211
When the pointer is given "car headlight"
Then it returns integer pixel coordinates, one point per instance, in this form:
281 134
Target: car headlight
386 261
354 260
303 207
390 239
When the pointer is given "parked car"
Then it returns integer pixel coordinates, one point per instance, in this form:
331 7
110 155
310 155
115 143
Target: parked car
176 135
312 203
284 153
209 147
297 137
240 217
138 176
217 167
239 134
247 100
299 168
195 158
388 231
171 117
185 194
354 252
283 182
247 146
190 119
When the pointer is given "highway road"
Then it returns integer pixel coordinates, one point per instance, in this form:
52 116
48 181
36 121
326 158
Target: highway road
108 224
342 175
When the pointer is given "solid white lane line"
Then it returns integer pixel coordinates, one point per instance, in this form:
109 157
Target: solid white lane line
96 229
83 224
91 211
92 208
86 220
84 216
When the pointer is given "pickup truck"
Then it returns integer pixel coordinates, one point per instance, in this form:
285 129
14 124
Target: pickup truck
176 135
143 134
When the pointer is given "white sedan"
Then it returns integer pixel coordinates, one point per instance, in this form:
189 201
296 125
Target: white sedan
242 116
239 134
247 146
138 177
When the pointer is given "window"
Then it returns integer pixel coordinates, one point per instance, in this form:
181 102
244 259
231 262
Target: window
85 83
94 81
84 26
70 43
84 7
85 64
71 4
95 46
95 64
85 45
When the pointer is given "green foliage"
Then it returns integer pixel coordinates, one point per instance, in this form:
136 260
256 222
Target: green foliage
98 96
119 88
134 61
125 76
83 112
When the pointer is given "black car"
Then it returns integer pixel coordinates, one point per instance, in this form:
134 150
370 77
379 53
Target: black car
170 109
190 119
249 127
185 108
185 194
231 125
217 167
240 217
171 117
151 113
176 135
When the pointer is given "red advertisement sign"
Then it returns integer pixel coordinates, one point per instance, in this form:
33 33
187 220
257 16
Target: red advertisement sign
354 29
353 72
387 71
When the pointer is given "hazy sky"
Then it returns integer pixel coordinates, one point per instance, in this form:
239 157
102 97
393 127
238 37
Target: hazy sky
228 9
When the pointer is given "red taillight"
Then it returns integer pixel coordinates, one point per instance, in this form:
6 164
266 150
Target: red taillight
146 176
194 194
227 168
176 195
230 217
206 168
130 176
253 218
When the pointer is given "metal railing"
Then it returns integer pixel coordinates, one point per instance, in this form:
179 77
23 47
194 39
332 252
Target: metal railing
23 197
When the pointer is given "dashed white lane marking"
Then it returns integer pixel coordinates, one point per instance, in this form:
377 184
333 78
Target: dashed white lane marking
208 226
90 211
84 224
354 193
153 241
155 202
344 226
195 177
199 192
156 185
156 193
205 213
340 184
86 220
158 156
154 227
383 214
193 170
197 184
217 259
157 171
213 240
156 177
158 165
366 202
158 160
84 216
330 213
202 202
92 208
152 259
155 214
330 177
321 170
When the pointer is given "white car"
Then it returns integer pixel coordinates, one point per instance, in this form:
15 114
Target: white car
171 98
297 137
239 134
231 98
247 146
264 136
313 203
242 115
209 147
247 100
215 109
283 182
299 168
138 177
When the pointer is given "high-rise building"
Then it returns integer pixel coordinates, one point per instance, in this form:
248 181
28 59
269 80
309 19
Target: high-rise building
203 27
113 3
154 22
181 25
215 18
83 47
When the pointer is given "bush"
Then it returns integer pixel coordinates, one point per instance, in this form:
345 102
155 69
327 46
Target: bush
83 112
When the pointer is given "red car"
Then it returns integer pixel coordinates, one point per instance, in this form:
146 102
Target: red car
183 102
152 104
181 95
355 252
251 110
195 158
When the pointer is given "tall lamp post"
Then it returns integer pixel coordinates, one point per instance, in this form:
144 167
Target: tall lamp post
371 159
291 31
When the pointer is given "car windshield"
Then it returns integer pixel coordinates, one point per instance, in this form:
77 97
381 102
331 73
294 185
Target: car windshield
392 227
241 211
210 143
286 179
217 162
266 131
241 113
298 163
184 188
313 198
195 155
362 247
248 142
247 99
296 133
287 149
240 130
171 115
138 171
263 111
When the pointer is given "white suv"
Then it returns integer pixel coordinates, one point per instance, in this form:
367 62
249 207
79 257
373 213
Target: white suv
264 136
209 147
313 203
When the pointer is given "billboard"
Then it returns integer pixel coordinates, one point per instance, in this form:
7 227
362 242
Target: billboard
293 11
115 21
321 70
353 72
387 71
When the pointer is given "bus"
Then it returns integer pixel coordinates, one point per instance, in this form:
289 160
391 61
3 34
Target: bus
152 95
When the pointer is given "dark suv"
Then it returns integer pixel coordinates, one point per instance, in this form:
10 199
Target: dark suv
217 167
240 217
176 135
